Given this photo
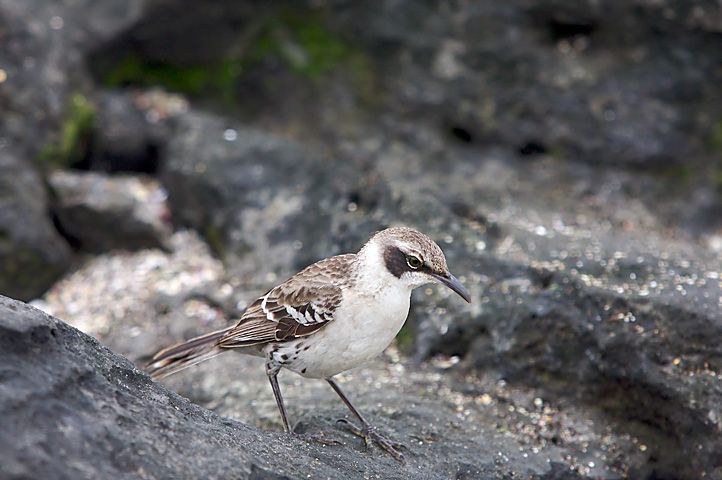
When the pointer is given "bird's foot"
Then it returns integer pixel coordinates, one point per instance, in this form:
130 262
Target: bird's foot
318 437
369 434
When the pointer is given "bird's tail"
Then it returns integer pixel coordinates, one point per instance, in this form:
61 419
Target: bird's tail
180 356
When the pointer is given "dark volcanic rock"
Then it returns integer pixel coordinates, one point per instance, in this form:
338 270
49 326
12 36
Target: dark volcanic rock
260 201
70 408
32 253
588 303
124 140
623 83
103 213
620 83
43 54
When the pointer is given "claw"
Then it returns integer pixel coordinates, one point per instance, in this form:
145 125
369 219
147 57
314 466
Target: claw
369 433
318 437
351 427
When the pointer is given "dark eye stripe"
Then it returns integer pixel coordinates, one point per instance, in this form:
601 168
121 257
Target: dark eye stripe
395 261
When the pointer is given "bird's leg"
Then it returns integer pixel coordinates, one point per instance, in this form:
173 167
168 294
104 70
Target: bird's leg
273 378
272 373
367 431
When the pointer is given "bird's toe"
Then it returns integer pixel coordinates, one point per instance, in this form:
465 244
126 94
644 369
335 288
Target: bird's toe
369 434
318 437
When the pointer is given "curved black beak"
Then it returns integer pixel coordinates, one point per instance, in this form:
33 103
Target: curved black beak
453 283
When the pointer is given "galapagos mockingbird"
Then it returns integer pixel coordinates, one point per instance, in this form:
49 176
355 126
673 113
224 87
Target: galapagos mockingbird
332 316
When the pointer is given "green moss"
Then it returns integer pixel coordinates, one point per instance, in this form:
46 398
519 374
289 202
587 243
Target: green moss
678 173
302 42
228 73
192 80
75 133
364 78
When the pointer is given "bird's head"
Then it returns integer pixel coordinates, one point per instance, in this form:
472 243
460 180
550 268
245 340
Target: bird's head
415 259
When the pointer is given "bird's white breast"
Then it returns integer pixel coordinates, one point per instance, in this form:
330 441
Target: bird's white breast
362 328
368 318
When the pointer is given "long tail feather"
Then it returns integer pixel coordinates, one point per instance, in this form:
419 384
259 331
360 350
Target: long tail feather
178 357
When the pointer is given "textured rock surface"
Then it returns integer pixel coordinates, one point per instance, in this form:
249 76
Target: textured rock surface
32 253
628 324
616 83
103 213
42 67
259 200
73 409
43 58
126 137
588 300
564 154
572 77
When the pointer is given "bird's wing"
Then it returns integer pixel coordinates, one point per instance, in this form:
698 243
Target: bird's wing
296 308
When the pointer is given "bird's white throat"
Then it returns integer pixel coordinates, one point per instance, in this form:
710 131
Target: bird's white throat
373 275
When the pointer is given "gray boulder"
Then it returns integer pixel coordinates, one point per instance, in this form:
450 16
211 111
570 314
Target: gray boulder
102 213
588 300
124 137
260 201
73 409
43 57
32 253
621 82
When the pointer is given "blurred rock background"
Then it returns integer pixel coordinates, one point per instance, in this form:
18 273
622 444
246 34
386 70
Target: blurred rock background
163 162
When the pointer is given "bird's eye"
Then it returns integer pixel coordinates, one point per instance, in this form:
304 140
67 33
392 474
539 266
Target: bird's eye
413 262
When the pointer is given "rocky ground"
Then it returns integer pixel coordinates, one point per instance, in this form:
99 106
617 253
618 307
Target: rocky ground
161 164
421 405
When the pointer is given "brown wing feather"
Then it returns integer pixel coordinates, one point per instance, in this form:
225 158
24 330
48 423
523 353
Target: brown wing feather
298 307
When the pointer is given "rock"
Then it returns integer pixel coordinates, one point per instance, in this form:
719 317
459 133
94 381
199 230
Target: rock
564 155
32 253
73 409
587 300
46 112
43 54
259 200
124 138
582 295
184 284
570 79
576 80
102 213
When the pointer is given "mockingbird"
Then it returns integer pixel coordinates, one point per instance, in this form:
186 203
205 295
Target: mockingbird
332 316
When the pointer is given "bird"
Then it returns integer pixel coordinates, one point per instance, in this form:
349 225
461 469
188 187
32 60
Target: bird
332 316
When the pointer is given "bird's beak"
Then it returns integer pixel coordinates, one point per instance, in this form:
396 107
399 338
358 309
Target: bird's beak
453 283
